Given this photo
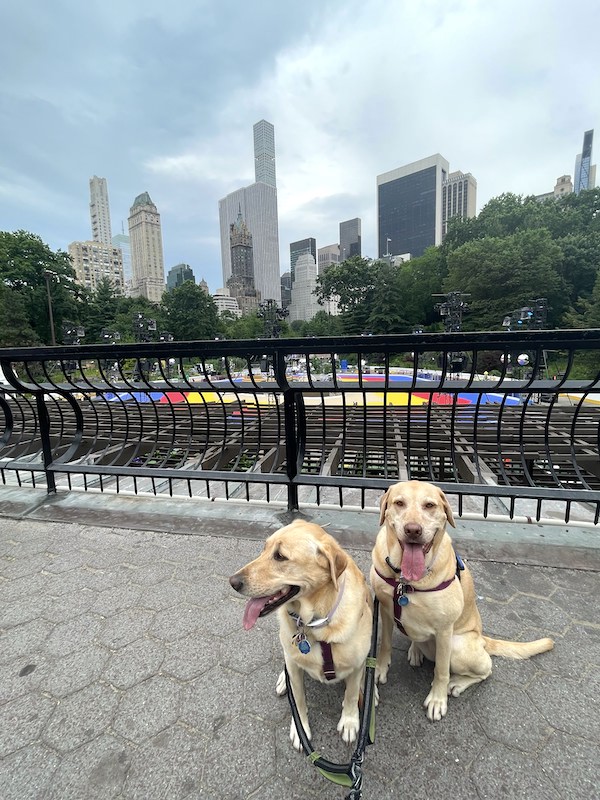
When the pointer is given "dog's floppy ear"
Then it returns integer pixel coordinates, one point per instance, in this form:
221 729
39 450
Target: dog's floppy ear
337 559
383 506
447 509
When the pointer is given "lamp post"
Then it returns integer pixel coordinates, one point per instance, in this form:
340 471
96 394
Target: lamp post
47 275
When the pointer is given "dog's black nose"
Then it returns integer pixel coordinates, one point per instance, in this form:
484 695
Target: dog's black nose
236 582
413 530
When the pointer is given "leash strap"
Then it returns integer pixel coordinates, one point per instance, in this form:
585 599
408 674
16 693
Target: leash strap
349 775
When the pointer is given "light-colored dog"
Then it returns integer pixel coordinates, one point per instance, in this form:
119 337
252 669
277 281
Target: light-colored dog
325 614
429 594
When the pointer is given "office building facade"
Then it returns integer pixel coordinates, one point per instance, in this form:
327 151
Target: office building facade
304 303
264 153
178 275
350 238
585 171
241 283
93 261
459 197
409 201
301 248
147 264
100 210
258 205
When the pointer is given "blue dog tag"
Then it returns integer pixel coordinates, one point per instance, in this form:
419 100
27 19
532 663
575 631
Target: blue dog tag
403 600
304 647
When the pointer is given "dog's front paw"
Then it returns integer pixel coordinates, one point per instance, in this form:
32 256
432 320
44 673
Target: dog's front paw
382 668
295 738
281 685
348 726
415 656
436 705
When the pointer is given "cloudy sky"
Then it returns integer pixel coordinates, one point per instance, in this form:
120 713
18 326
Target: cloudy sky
161 97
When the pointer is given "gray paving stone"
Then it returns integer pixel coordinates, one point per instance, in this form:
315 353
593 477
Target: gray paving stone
148 708
499 771
204 706
80 717
175 622
69 606
570 706
63 676
169 765
75 634
151 574
115 599
226 739
95 771
28 586
191 656
250 651
24 640
16 613
22 720
166 594
28 773
572 766
134 663
21 676
125 627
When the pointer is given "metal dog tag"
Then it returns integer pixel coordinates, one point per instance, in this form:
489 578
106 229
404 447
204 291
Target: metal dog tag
403 600
304 647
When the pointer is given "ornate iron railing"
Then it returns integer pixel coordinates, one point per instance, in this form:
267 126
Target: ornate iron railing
507 423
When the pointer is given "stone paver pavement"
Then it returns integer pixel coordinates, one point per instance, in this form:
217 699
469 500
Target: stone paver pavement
125 673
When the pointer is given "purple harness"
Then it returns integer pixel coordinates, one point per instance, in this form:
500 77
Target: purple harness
402 589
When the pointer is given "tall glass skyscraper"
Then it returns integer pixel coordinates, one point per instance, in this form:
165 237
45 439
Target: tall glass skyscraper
257 204
585 172
350 244
264 153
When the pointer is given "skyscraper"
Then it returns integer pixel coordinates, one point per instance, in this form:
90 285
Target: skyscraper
459 193
304 303
585 172
300 248
122 240
100 210
264 153
241 282
93 261
410 207
258 206
147 265
178 275
350 244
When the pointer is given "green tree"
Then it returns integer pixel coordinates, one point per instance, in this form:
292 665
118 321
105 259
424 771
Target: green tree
15 330
351 282
189 313
505 273
100 311
24 262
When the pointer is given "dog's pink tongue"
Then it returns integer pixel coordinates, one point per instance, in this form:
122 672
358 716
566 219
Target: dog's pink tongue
252 611
413 562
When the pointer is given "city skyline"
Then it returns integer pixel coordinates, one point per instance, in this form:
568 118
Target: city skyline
92 98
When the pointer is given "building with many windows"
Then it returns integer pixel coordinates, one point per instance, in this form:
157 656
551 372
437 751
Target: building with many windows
301 248
459 195
241 283
264 153
415 203
121 240
585 171
286 289
178 275
350 238
147 265
100 210
304 303
93 261
258 206
226 303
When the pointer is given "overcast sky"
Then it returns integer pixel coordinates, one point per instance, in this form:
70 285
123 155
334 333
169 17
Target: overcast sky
161 97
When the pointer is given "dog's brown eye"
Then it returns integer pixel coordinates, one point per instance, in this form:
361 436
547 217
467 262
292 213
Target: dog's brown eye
279 556
399 503
429 505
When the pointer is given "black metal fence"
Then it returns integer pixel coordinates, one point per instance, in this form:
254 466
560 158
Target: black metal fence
506 423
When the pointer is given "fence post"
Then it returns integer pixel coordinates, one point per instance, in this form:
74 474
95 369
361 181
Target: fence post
44 420
293 434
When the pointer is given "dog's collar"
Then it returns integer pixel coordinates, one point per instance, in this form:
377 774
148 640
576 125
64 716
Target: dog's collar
322 621
407 588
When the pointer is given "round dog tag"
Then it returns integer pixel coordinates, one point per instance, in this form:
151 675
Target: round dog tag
403 600
304 647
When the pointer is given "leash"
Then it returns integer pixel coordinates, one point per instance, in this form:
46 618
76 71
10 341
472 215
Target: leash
351 774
